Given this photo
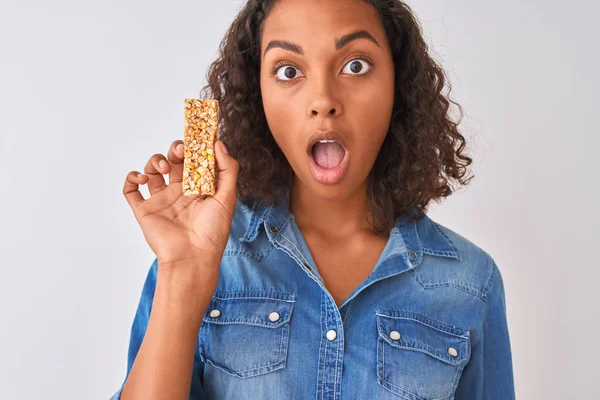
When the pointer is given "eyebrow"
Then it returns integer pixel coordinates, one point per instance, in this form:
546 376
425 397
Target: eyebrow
339 42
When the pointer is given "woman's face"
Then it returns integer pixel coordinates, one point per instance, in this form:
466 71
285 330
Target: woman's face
314 78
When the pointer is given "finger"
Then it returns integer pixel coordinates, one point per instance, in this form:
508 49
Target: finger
155 172
227 174
131 189
175 157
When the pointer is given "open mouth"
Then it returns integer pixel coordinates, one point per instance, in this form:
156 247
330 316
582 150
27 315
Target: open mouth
328 161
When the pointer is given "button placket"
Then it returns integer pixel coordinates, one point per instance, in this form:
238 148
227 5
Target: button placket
331 354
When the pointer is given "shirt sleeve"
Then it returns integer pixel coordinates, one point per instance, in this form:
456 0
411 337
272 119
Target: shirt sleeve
138 330
489 373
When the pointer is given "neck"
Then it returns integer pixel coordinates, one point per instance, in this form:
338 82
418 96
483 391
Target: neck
336 217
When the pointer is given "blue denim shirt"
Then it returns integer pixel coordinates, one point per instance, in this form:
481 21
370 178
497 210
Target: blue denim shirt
428 323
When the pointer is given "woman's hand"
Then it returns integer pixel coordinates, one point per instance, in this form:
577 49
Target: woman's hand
184 229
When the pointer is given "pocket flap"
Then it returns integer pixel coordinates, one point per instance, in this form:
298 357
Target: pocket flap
417 332
266 309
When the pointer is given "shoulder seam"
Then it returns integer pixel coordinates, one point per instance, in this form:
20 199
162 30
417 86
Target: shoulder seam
438 228
491 275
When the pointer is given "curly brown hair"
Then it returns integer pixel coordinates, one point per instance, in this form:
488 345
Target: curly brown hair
422 151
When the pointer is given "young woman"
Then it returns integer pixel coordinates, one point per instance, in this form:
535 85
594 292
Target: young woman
314 272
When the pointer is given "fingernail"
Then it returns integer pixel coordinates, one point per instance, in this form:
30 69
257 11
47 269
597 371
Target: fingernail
179 147
223 147
162 164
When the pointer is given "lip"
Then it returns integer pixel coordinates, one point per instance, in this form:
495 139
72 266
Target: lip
326 135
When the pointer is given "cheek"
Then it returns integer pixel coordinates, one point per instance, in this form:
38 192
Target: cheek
371 113
279 123
277 107
276 112
281 117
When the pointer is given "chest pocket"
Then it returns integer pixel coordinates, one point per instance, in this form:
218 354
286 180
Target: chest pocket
419 358
247 333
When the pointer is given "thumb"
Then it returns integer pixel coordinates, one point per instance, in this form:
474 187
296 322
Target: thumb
227 174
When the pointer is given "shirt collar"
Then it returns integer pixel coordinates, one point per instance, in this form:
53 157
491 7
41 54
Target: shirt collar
418 237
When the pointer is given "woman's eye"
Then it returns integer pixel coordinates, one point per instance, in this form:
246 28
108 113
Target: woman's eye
357 67
287 72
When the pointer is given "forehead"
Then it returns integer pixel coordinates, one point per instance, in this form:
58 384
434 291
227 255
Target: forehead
319 21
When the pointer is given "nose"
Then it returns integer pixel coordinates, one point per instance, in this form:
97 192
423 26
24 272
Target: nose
323 100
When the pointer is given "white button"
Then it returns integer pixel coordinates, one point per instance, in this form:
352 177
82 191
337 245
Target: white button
215 313
452 351
395 335
331 335
274 316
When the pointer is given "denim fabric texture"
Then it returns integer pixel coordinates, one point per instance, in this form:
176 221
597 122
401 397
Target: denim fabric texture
428 323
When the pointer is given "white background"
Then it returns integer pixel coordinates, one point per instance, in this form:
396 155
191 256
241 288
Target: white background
90 90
